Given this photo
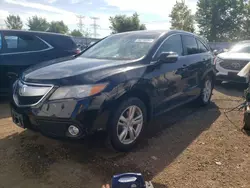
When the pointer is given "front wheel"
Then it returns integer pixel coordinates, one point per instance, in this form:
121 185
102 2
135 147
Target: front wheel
206 91
127 123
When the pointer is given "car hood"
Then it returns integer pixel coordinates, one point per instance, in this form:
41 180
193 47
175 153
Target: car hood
234 56
75 70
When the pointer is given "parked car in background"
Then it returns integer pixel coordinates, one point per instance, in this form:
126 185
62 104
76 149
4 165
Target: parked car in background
21 49
228 64
116 85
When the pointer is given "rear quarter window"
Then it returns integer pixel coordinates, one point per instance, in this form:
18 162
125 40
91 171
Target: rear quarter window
63 42
202 47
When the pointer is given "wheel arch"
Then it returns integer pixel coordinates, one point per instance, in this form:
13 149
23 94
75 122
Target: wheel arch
140 94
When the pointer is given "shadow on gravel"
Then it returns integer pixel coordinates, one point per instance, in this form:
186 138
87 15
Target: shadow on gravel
4 108
231 89
164 139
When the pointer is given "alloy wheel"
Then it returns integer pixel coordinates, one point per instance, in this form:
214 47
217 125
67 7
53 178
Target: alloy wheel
207 90
130 124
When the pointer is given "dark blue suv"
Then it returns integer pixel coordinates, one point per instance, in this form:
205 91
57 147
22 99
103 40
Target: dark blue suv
116 85
21 49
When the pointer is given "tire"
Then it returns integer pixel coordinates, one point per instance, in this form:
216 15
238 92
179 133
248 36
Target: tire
246 121
218 82
120 131
205 96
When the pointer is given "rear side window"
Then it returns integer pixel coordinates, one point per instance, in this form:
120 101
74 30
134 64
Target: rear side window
63 42
202 48
172 44
189 45
23 43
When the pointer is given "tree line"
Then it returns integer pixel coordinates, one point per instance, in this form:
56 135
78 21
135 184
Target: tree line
36 23
216 20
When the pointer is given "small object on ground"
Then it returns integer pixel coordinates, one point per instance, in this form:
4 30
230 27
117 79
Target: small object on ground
218 163
130 180
154 158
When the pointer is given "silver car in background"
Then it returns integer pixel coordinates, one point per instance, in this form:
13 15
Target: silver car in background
228 64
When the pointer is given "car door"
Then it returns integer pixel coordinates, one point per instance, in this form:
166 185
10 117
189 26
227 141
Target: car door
20 51
206 59
2 77
169 79
193 63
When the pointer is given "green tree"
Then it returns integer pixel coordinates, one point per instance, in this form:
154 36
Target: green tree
76 33
181 17
37 24
220 20
58 27
14 22
245 33
123 23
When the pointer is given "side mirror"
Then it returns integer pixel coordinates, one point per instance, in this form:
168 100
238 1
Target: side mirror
168 57
215 52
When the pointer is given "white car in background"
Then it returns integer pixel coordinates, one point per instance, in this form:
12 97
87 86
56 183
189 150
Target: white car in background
228 64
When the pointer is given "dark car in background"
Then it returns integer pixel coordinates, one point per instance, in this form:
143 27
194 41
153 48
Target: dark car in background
116 85
230 63
21 49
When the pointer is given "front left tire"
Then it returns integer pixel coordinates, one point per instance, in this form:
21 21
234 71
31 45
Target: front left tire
127 123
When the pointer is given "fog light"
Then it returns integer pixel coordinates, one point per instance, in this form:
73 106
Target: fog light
73 130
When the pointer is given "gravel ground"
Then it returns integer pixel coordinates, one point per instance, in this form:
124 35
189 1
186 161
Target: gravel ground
189 147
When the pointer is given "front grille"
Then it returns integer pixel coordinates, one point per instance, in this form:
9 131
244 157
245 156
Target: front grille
233 64
28 100
27 94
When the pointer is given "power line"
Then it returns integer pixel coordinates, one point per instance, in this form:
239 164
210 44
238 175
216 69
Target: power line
95 25
80 23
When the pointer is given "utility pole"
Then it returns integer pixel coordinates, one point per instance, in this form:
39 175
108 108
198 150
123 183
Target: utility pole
95 26
80 23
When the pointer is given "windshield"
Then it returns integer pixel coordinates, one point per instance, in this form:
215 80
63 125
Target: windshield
127 46
241 48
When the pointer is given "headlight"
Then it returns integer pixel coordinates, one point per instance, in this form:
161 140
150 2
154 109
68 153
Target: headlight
78 91
218 60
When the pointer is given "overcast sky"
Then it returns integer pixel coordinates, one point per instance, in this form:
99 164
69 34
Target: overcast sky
154 13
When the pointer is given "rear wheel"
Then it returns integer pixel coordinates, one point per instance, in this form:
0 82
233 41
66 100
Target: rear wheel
127 123
206 91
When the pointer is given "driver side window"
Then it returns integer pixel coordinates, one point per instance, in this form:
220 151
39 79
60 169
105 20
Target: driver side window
172 44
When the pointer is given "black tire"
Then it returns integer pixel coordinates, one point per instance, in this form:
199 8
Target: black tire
112 128
200 99
246 122
218 82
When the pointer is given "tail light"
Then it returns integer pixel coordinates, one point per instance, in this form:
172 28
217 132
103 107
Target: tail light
77 51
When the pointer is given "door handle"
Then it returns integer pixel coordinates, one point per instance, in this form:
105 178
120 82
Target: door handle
12 75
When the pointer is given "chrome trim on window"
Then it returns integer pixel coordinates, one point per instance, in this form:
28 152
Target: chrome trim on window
16 90
164 42
46 49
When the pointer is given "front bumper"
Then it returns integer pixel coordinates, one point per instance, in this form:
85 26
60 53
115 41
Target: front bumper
52 118
229 75
228 78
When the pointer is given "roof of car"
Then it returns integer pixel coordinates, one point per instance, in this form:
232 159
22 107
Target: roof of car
244 42
155 31
32 32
